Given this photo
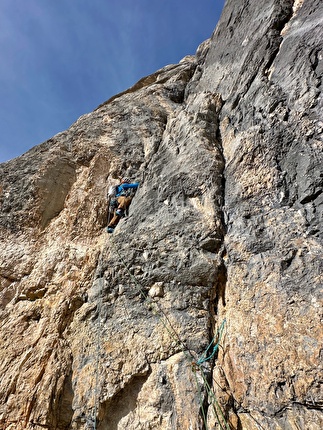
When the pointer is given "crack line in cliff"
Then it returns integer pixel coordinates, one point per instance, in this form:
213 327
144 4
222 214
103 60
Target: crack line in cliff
217 410
202 408
279 26
197 366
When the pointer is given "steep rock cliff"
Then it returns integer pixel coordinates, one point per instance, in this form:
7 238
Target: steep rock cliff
204 309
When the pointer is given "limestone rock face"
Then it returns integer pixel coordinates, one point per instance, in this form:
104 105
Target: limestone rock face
204 309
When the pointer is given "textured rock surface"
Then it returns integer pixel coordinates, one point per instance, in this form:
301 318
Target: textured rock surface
225 231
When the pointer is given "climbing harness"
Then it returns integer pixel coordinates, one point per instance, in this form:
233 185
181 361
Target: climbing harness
114 192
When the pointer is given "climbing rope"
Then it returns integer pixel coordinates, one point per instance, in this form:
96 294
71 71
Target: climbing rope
197 366
203 412
206 356
217 410
98 343
217 338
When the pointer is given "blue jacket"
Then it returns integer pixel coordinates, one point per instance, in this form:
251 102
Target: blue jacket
122 188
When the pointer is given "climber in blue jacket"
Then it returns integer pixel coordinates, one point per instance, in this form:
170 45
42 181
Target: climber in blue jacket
123 196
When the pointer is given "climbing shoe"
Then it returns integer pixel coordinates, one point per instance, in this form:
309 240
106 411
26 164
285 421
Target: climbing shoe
110 229
120 212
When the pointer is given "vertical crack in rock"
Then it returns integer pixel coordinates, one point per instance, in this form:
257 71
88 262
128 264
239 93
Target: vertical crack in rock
272 140
278 26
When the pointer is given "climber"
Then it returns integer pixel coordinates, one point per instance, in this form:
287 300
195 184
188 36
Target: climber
124 193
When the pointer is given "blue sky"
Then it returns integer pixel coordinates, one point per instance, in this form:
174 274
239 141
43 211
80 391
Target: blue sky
60 59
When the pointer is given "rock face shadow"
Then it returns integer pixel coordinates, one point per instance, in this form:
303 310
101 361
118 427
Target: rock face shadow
65 410
121 405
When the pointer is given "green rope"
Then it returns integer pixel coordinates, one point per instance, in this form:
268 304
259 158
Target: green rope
215 403
206 356
217 337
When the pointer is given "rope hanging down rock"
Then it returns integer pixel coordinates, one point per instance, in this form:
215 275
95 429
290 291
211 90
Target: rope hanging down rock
206 356
217 338
98 343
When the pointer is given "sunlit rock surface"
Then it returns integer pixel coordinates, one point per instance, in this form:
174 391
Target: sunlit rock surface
204 309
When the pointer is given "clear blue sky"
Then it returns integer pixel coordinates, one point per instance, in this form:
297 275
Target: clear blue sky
60 59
